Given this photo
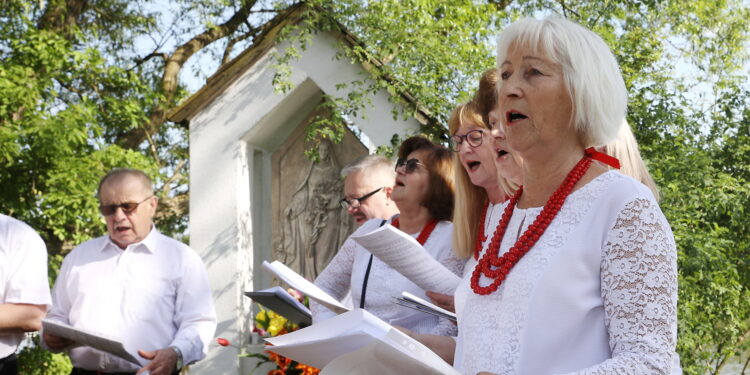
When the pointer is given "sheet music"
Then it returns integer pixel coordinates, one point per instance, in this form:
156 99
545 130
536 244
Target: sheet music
355 341
382 358
429 304
87 338
413 302
304 286
404 254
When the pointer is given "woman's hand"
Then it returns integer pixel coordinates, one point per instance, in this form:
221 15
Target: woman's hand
443 346
444 301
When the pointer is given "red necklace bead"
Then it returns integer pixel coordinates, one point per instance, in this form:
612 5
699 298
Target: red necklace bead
497 267
424 234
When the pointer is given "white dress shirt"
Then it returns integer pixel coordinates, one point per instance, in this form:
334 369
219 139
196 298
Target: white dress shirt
23 273
151 295
346 272
597 294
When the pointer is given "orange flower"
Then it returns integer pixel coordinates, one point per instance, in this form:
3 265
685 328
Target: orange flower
307 370
276 372
281 361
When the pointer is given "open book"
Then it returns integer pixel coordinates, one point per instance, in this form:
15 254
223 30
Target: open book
413 302
304 286
404 254
358 343
87 338
281 302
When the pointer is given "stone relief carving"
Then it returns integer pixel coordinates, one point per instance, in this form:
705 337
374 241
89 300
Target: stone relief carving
311 224
314 218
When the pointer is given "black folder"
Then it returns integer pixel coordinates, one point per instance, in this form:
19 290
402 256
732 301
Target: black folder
281 302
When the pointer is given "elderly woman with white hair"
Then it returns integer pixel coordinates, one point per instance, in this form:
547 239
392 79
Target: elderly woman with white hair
580 275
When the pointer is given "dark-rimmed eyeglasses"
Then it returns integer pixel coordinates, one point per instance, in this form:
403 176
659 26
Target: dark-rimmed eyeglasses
409 165
127 207
472 137
356 202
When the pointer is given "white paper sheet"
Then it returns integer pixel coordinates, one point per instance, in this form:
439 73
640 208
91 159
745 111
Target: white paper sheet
304 286
381 358
87 338
404 254
358 331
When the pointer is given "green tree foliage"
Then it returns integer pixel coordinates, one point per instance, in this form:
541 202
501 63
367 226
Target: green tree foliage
86 85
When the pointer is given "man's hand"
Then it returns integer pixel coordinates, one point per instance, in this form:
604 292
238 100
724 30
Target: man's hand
56 343
444 301
163 361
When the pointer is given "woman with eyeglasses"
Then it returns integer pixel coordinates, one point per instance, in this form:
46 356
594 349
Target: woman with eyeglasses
486 173
423 192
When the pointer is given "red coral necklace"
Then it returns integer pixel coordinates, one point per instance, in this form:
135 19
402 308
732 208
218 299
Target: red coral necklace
424 234
497 267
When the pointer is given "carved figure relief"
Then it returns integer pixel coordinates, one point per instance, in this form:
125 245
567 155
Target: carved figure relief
310 224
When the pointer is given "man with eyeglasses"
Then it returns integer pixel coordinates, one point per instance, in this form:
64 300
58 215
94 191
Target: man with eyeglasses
134 284
24 289
368 183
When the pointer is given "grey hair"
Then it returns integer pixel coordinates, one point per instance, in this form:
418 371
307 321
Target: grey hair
592 74
370 163
118 174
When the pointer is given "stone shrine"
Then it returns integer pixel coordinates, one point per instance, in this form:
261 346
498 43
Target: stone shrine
254 195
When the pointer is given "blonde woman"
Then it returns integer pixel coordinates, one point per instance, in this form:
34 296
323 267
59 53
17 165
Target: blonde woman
482 182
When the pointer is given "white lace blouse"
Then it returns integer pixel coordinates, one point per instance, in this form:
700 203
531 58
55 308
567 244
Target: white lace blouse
346 272
597 294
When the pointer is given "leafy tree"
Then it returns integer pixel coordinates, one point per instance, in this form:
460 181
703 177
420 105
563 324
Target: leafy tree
87 85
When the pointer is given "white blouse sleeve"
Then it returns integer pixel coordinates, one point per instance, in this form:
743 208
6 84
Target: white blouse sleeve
335 279
456 265
639 289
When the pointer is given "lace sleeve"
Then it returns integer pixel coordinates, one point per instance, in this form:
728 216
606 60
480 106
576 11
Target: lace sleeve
456 265
639 289
335 279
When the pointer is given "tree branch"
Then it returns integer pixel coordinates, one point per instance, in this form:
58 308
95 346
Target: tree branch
61 16
165 187
233 41
150 56
567 9
174 63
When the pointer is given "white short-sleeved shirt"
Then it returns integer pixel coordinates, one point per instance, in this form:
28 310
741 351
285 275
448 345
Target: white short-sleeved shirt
23 272
346 273
151 295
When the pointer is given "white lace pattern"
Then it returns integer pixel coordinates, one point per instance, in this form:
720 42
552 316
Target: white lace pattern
596 295
346 272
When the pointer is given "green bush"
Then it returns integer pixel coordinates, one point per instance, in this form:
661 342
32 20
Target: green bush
35 360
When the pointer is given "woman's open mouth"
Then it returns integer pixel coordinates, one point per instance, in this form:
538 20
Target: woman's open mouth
511 117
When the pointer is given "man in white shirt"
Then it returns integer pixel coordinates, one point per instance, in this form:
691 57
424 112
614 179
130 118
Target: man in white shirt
24 289
368 183
135 284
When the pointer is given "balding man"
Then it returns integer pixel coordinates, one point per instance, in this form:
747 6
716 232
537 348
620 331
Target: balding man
135 284
368 183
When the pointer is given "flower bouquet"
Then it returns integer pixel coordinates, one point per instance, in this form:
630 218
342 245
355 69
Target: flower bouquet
271 324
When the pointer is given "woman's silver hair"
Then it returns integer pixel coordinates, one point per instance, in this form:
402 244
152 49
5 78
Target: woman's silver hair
592 75
371 164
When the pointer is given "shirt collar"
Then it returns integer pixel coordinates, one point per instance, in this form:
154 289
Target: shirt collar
148 243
